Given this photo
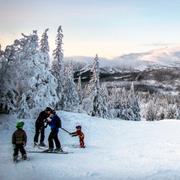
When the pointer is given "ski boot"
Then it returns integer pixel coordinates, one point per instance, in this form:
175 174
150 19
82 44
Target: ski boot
35 144
58 150
15 158
24 157
42 144
48 150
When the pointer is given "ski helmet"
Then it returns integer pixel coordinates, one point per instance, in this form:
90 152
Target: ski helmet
19 124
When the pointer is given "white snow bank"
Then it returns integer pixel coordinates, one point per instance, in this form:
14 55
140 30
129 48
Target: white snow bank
115 150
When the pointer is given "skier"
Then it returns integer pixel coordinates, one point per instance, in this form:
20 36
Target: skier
40 126
55 123
79 133
19 140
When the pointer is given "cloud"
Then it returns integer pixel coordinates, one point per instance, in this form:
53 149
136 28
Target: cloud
159 44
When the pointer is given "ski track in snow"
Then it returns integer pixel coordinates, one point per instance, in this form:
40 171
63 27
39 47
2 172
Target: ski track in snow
116 149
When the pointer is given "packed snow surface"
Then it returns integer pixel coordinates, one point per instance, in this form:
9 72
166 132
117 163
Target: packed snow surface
115 149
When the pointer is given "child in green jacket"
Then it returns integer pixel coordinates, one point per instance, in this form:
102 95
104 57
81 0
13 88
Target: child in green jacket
19 139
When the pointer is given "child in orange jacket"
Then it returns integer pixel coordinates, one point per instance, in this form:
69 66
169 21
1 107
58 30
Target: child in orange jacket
79 133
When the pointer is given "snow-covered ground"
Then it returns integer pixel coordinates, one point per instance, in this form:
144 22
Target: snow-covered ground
116 149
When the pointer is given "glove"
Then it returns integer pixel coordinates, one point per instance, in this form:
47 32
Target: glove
51 115
73 135
45 125
40 130
24 144
49 119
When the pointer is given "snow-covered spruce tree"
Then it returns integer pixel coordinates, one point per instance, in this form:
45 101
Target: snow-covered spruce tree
58 67
124 104
95 103
134 105
8 92
44 47
161 104
70 94
178 112
1 51
79 89
35 83
151 111
172 112
111 101
2 61
117 100
104 104
3 64
125 110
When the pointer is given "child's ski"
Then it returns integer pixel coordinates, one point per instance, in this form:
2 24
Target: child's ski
53 152
21 159
40 147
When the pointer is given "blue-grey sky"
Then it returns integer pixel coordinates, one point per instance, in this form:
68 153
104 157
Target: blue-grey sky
107 27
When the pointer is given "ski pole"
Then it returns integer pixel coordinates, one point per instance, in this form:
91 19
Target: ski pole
65 130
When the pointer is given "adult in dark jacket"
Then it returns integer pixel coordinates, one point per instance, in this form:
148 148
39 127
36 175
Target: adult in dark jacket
40 127
55 123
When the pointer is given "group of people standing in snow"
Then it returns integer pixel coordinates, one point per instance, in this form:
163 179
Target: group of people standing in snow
48 117
45 118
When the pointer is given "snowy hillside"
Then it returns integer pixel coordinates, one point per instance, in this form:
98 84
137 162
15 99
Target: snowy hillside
164 57
116 149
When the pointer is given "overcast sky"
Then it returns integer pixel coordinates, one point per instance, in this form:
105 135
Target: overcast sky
107 27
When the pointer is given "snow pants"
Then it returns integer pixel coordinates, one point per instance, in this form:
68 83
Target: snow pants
53 136
81 141
19 147
39 130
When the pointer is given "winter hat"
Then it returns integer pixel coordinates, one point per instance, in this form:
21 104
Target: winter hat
78 127
19 124
48 109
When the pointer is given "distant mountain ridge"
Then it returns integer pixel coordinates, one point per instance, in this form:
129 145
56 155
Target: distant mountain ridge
164 57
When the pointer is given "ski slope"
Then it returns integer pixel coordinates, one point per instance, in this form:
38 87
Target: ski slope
116 149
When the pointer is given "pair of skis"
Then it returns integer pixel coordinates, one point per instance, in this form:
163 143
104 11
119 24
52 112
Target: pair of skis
20 160
47 151
50 152
43 149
